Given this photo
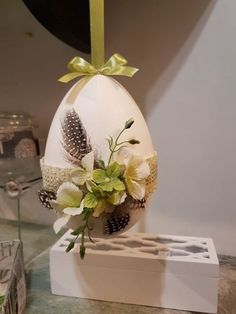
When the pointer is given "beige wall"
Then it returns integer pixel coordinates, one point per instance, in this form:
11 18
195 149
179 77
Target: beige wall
185 50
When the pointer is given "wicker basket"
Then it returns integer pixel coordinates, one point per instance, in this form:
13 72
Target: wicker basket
12 278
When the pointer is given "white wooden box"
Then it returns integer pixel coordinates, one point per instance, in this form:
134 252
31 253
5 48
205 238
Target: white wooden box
155 270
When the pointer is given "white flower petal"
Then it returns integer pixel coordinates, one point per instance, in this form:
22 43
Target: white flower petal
73 211
136 161
60 222
122 156
143 171
123 197
79 176
137 168
67 185
69 195
56 206
88 161
135 189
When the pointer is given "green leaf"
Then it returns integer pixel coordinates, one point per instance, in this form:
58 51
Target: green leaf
118 185
90 200
110 142
78 231
114 170
82 251
101 164
70 247
2 297
99 175
129 123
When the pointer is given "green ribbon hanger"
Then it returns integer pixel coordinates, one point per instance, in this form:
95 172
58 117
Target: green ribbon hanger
116 65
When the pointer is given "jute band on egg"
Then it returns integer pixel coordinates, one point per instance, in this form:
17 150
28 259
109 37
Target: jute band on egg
53 177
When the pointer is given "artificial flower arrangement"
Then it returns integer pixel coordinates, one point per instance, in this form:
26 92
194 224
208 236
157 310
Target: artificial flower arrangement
96 188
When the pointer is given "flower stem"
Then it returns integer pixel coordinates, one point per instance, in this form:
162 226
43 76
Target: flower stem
113 149
80 231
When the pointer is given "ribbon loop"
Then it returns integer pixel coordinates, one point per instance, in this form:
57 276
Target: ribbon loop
116 65
78 64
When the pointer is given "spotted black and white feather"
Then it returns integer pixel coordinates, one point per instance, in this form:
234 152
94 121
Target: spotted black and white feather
45 197
75 139
116 223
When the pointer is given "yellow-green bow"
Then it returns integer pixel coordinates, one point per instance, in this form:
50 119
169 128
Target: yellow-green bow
116 65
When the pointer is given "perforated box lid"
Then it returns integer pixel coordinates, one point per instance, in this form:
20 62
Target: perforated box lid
147 252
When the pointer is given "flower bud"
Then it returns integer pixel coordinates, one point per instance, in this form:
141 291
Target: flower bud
133 141
129 123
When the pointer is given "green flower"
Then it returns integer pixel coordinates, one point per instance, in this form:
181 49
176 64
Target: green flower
108 179
103 206
98 202
117 198
102 201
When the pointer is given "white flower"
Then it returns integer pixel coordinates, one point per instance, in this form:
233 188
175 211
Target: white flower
69 202
137 170
81 175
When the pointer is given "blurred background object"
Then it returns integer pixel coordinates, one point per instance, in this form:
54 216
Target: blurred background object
67 20
19 157
19 144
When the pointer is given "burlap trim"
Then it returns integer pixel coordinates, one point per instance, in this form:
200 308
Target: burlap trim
53 177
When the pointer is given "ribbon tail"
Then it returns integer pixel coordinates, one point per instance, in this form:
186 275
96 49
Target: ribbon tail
122 70
69 76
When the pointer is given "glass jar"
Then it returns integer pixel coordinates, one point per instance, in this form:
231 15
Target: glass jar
18 144
17 136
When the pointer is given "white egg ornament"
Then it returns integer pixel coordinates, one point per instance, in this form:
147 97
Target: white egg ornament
74 178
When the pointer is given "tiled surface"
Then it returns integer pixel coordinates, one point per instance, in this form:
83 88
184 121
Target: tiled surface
37 240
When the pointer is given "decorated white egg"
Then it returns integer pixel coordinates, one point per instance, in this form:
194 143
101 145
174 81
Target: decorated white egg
83 165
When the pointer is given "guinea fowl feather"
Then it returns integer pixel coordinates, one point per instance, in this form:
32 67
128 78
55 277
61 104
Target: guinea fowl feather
45 197
116 223
75 140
